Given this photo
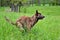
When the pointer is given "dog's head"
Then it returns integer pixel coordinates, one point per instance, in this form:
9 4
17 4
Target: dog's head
39 15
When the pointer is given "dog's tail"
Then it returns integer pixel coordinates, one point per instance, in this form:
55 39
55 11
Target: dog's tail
8 20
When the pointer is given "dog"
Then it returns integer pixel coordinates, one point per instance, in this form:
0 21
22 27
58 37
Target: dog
25 22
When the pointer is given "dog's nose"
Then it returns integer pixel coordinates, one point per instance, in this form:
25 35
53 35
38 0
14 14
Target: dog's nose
43 16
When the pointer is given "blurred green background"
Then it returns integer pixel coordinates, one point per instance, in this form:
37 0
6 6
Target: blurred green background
46 29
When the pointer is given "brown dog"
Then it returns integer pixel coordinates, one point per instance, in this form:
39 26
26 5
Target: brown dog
27 22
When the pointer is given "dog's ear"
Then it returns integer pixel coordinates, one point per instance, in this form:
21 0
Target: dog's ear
36 13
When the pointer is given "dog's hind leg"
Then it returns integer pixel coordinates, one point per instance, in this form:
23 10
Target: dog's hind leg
20 26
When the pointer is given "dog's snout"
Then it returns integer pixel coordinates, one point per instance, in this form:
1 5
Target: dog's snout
43 16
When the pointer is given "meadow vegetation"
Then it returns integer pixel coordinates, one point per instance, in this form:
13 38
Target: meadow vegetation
46 29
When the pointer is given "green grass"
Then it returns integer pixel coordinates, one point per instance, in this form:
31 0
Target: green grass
46 29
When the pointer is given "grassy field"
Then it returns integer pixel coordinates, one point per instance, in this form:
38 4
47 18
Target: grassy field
46 29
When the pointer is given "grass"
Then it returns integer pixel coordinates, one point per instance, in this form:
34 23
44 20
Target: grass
46 29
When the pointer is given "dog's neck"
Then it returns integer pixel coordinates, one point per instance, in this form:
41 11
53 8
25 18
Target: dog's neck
35 20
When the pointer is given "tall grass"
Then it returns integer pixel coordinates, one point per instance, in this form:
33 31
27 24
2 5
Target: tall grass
46 29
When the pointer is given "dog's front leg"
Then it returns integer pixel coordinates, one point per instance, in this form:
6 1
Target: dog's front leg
28 27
